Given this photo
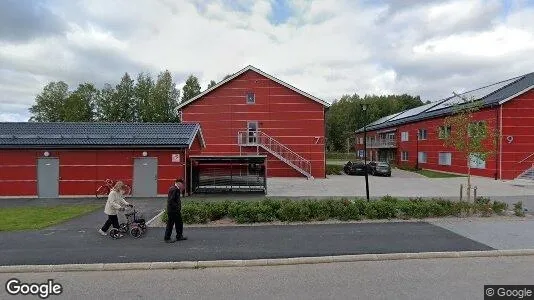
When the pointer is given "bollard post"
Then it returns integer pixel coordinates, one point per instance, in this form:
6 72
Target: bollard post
461 191
475 193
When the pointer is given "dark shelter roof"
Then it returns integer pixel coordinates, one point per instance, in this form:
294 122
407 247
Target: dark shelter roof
97 135
490 95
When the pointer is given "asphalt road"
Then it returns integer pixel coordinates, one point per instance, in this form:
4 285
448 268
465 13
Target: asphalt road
462 278
60 246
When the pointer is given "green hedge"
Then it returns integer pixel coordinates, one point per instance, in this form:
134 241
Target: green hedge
334 169
341 155
344 209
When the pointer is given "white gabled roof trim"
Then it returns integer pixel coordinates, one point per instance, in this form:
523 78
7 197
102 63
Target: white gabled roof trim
198 131
516 95
251 68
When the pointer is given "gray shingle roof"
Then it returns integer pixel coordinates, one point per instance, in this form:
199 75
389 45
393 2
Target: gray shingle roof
96 135
491 95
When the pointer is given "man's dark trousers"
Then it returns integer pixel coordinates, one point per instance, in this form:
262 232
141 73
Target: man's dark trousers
174 219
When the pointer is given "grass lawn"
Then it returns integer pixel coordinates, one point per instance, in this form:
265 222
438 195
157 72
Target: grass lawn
434 174
338 162
37 217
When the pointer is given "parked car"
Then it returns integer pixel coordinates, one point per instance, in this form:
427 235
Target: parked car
379 168
355 168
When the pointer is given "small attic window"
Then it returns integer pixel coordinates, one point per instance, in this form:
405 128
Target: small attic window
251 98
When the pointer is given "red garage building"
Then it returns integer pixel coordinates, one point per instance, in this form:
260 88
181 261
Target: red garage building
64 159
252 114
412 137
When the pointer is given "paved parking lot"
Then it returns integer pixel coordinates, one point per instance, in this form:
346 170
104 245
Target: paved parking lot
400 184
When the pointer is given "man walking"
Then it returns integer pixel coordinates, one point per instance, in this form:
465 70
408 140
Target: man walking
174 213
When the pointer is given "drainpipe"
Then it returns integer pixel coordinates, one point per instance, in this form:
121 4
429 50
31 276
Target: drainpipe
500 142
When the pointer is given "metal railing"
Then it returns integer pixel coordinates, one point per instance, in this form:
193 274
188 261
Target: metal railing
382 143
282 152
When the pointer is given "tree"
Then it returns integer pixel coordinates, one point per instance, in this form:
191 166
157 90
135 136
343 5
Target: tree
229 75
212 84
472 138
144 96
165 99
124 100
106 107
49 103
79 105
191 88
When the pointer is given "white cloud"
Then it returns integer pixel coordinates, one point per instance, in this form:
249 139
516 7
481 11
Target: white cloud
327 48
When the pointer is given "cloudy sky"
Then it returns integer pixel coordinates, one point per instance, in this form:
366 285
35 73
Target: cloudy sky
325 47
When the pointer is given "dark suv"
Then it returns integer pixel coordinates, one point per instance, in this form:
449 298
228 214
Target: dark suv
380 168
355 168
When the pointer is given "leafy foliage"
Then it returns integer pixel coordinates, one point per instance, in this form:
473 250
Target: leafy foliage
343 209
191 88
346 115
468 136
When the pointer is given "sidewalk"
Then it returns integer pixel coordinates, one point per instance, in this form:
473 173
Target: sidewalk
85 245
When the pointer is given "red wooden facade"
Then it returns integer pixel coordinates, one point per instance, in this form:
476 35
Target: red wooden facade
514 151
290 117
81 172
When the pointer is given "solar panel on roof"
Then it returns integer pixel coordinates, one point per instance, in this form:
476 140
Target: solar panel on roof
412 112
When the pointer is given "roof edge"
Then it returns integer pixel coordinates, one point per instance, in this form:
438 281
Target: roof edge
252 68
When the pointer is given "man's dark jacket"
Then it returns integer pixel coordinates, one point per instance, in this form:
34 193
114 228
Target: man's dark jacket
174 204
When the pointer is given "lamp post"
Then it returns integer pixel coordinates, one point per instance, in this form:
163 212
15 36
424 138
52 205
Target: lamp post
364 108
417 150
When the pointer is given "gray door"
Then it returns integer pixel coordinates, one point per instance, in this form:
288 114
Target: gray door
145 183
48 177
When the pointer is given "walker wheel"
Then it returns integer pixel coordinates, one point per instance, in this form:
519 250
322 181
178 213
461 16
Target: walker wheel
114 233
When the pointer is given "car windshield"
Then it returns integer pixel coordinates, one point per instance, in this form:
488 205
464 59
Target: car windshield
383 165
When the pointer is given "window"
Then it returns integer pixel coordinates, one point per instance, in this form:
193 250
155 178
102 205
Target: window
404 136
251 98
445 158
478 128
476 163
404 156
360 153
444 132
421 157
361 141
421 134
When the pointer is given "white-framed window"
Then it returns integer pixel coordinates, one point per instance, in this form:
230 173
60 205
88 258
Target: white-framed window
421 157
361 141
360 153
251 98
476 163
404 136
421 134
404 156
445 158
444 132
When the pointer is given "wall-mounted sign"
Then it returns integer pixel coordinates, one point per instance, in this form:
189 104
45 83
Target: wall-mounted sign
176 158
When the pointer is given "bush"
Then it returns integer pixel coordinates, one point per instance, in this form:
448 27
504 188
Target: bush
380 210
334 169
341 156
518 209
499 207
343 209
292 211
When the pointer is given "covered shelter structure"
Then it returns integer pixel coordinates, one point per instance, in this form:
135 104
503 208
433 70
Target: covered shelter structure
227 173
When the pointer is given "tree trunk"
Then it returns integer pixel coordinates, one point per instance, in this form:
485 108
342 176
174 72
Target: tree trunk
468 181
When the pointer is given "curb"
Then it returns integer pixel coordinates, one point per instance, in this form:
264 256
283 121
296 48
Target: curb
259 262
154 218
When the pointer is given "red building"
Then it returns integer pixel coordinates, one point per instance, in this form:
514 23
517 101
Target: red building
63 159
233 136
412 137
253 114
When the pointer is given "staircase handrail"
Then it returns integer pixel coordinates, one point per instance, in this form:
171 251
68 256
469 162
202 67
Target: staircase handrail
526 158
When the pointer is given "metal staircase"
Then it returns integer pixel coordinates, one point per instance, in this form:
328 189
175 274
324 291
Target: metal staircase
277 149
528 174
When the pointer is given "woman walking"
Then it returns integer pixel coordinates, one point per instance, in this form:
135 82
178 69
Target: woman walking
113 206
